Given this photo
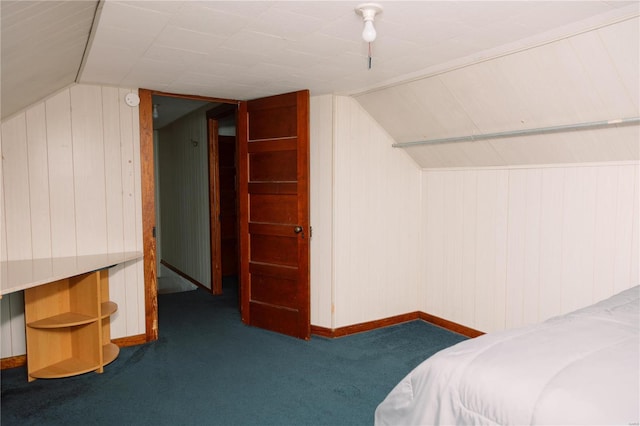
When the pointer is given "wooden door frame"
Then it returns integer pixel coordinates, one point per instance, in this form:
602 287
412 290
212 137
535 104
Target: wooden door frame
148 201
214 205
213 115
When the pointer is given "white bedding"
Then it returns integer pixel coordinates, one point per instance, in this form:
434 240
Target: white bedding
579 368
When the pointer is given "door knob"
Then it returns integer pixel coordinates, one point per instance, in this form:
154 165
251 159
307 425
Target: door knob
297 229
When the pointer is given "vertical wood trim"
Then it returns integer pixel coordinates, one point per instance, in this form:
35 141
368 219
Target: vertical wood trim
243 211
139 266
302 132
148 215
213 155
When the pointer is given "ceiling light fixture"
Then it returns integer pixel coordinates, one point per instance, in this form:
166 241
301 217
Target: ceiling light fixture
155 111
368 11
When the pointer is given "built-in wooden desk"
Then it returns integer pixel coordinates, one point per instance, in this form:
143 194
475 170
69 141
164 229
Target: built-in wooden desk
67 311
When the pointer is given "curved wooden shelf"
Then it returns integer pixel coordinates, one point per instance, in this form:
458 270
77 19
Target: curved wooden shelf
110 352
65 319
61 341
107 309
65 368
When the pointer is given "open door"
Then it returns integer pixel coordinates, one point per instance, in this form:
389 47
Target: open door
273 201
223 201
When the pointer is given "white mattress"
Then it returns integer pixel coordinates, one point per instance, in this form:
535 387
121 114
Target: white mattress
580 368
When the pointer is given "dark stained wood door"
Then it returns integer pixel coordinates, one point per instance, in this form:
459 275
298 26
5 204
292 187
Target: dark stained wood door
273 194
228 205
222 197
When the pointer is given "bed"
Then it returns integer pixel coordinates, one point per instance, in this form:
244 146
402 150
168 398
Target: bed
579 368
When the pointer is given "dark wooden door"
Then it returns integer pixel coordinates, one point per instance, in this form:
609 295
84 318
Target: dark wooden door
273 194
228 204
222 197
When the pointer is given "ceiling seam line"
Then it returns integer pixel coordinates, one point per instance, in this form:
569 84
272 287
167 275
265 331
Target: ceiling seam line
92 30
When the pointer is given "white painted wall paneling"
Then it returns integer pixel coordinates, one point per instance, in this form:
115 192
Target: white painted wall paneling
321 209
376 220
3 223
134 294
527 243
71 177
61 177
89 169
184 195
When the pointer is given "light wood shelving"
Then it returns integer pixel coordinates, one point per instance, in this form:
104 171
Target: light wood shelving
68 326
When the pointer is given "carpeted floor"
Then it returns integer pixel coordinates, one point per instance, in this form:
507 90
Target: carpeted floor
207 368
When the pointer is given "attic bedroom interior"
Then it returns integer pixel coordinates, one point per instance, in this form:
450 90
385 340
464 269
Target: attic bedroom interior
354 170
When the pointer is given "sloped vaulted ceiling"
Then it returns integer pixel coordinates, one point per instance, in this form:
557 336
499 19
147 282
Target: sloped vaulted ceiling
43 43
431 76
590 76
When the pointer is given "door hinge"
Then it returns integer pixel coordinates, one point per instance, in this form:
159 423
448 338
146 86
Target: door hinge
310 232
153 232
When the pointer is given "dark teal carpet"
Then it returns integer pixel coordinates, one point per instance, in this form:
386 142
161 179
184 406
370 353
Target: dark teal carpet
208 368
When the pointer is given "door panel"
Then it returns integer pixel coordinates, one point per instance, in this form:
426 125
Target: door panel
274 250
269 166
276 290
273 136
274 208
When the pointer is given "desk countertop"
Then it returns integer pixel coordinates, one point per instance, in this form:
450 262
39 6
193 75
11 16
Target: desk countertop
16 275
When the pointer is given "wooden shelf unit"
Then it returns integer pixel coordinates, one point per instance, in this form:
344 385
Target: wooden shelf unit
68 326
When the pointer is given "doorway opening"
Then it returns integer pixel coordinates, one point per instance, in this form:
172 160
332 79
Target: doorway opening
195 170
272 131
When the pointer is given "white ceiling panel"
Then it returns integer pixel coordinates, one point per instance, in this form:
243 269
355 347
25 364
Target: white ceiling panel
315 38
133 16
439 68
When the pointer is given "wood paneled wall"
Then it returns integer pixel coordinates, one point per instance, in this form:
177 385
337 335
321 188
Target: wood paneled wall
505 247
321 209
71 179
376 220
183 177
489 248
